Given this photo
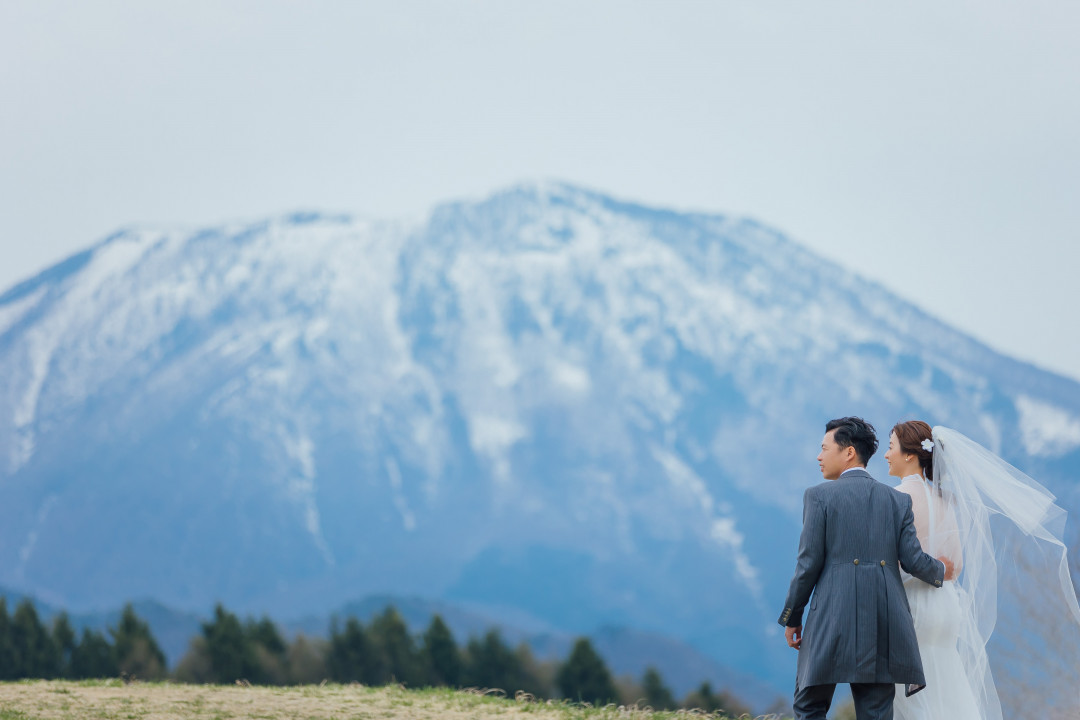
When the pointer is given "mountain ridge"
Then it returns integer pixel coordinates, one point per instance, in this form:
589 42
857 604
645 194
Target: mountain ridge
550 400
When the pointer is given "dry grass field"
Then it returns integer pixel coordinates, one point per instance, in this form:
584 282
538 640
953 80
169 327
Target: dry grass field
115 700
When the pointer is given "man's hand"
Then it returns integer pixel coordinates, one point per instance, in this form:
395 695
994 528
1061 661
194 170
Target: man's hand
794 636
950 571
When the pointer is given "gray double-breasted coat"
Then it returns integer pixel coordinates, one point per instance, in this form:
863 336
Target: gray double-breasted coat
857 534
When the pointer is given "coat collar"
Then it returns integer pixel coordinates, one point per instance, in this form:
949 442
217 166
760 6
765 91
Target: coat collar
855 474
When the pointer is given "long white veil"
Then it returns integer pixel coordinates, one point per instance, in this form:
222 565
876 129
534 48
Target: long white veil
1020 617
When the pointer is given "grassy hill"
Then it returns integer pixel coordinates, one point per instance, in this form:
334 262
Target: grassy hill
112 699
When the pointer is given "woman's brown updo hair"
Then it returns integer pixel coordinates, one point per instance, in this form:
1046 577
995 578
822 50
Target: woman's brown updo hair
911 435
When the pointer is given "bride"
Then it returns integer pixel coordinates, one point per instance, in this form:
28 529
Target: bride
1002 534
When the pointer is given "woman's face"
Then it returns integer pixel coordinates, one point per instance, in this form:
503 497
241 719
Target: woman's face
901 464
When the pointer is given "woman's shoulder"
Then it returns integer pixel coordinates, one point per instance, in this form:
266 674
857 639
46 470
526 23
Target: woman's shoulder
907 493
910 485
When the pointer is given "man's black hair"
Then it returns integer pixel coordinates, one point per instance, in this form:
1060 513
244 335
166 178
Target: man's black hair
857 433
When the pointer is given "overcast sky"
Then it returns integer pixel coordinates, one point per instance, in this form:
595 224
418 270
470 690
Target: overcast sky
931 146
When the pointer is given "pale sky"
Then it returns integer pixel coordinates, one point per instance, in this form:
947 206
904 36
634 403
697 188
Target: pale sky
931 146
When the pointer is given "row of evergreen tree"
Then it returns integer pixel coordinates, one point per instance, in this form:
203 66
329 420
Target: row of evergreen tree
229 650
28 649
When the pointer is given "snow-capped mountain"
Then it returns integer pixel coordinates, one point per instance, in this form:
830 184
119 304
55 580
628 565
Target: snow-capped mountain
551 405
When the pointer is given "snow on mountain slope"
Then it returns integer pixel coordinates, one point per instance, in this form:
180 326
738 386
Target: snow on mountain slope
549 402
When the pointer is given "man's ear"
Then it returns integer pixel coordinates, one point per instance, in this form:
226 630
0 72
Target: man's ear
849 451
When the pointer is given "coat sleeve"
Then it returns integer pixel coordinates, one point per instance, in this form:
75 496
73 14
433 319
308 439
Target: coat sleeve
810 562
912 558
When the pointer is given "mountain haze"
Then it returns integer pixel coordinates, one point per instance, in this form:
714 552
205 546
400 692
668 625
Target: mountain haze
550 406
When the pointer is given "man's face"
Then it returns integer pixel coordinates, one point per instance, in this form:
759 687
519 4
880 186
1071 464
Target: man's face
833 459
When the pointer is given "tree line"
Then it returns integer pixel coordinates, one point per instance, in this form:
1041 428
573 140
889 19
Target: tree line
230 650
28 649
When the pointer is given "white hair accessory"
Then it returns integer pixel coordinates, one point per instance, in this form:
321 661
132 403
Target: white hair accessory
928 445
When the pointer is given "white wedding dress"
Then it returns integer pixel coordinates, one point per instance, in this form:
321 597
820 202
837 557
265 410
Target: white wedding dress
937 616
1004 534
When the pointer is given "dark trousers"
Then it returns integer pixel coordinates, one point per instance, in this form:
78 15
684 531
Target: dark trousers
873 701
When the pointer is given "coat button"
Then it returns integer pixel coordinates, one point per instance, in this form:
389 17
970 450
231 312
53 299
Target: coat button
882 563
856 561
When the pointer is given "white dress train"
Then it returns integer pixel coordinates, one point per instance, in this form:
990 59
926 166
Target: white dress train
947 695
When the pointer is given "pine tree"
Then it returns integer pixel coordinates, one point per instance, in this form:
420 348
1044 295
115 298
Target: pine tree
270 652
36 656
352 656
536 678
657 695
492 664
390 636
138 654
702 699
307 661
232 656
194 667
63 638
8 661
584 676
441 657
705 699
265 633
93 657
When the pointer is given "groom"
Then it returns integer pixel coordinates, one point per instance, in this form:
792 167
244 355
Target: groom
857 534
